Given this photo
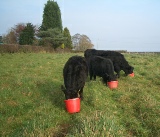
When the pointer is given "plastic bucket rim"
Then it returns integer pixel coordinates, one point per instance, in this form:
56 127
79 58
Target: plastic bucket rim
114 81
72 99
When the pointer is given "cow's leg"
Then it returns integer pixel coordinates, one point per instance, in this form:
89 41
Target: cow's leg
81 93
117 70
94 77
91 74
118 74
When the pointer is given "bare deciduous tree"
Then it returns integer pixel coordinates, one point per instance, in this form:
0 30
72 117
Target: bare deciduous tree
81 42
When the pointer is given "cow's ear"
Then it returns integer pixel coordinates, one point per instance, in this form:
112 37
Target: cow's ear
107 76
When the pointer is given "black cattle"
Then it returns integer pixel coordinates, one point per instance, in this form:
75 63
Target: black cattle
102 67
91 52
75 73
119 62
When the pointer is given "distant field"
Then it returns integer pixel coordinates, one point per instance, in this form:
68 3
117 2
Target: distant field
32 103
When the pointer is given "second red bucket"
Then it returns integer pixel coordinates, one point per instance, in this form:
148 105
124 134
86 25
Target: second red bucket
112 84
73 105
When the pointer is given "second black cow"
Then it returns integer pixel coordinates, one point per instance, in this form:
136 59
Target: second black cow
102 67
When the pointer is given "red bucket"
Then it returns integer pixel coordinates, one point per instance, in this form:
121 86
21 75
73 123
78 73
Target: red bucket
112 84
73 105
131 75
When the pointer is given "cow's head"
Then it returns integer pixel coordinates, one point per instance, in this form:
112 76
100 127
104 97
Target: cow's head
69 94
107 78
128 70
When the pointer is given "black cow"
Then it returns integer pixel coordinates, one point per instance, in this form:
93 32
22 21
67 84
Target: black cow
102 67
119 62
75 73
94 52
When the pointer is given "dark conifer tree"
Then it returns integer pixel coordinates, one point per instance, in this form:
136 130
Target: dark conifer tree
68 41
27 35
51 16
51 37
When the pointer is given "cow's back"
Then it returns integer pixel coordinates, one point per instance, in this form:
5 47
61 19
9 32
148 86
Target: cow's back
75 72
100 65
94 52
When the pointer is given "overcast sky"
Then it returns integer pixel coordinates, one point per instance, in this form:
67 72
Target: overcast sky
132 25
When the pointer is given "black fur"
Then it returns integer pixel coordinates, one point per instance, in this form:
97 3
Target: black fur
75 73
102 67
119 62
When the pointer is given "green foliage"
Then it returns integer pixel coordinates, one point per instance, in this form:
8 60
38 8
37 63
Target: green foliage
27 35
51 37
62 46
68 42
51 16
32 103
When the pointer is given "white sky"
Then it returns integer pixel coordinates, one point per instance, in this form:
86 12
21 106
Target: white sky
132 25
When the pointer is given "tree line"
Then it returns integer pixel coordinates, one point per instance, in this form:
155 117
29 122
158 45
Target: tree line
49 34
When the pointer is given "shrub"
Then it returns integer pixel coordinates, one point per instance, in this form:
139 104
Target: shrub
11 48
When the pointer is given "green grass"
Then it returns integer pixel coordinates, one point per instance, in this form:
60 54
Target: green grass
32 103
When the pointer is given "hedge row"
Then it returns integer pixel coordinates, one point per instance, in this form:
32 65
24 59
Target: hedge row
11 48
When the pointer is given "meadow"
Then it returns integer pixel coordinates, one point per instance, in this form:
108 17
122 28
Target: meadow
32 103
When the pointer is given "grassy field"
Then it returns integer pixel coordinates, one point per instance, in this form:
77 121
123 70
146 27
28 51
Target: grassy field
32 103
